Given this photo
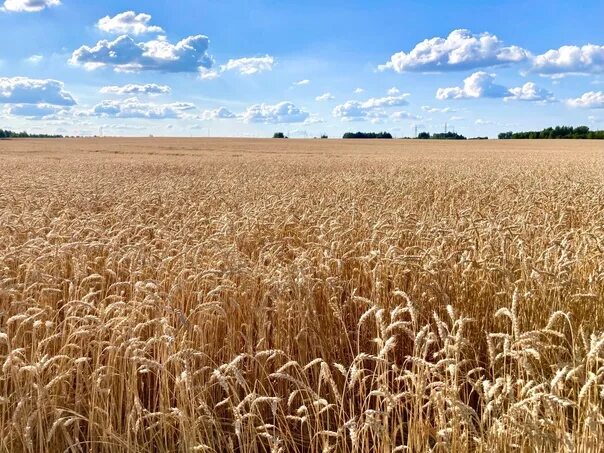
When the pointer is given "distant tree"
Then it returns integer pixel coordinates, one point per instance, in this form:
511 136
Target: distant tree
323 136
424 136
448 136
12 134
558 132
279 135
381 135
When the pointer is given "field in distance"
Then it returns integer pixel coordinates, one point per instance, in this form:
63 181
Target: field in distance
301 295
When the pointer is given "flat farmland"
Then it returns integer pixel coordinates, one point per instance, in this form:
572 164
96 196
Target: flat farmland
251 295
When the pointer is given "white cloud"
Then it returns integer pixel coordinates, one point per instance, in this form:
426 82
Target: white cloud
128 22
23 90
249 65
371 109
359 91
125 54
302 82
34 111
394 91
221 113
461 50
34 59
428 109
388 101
404 116
570 60
481 122
314 119
133 108
325 97
208 74
130 89
29 6
478 85
590 100
530 92
283 112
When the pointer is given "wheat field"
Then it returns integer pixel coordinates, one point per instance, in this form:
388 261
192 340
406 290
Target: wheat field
223 295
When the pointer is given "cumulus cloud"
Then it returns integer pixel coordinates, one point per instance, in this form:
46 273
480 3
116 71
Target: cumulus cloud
221 113
371 109
23 90
34 111
482 85
134 89
479 85
302 82
249 65
589 100
29 6
394 91
388 101
283 112
587 59
125 54
325 97
359 91
128 22
530 92
134 108
461 50
314 119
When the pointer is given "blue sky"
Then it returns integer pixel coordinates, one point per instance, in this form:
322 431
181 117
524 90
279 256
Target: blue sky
249 68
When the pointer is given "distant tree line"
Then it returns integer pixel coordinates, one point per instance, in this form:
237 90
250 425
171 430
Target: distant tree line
558 132
441 136
387 135
12 134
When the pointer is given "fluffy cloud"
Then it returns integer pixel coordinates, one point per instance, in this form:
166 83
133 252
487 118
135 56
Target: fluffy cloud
249 65
590 100
570 60
388 101
530 92
29 6
325 97
478 85
482 85
371 109
128 22
34 111
394 91
133 108
302 82
23 90
461 50
221 114
283 112
125 54
359 91
130 89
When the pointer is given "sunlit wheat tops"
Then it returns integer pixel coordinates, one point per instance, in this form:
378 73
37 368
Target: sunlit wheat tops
253 296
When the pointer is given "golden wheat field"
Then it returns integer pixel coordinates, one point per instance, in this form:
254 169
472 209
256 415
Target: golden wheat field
189 295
